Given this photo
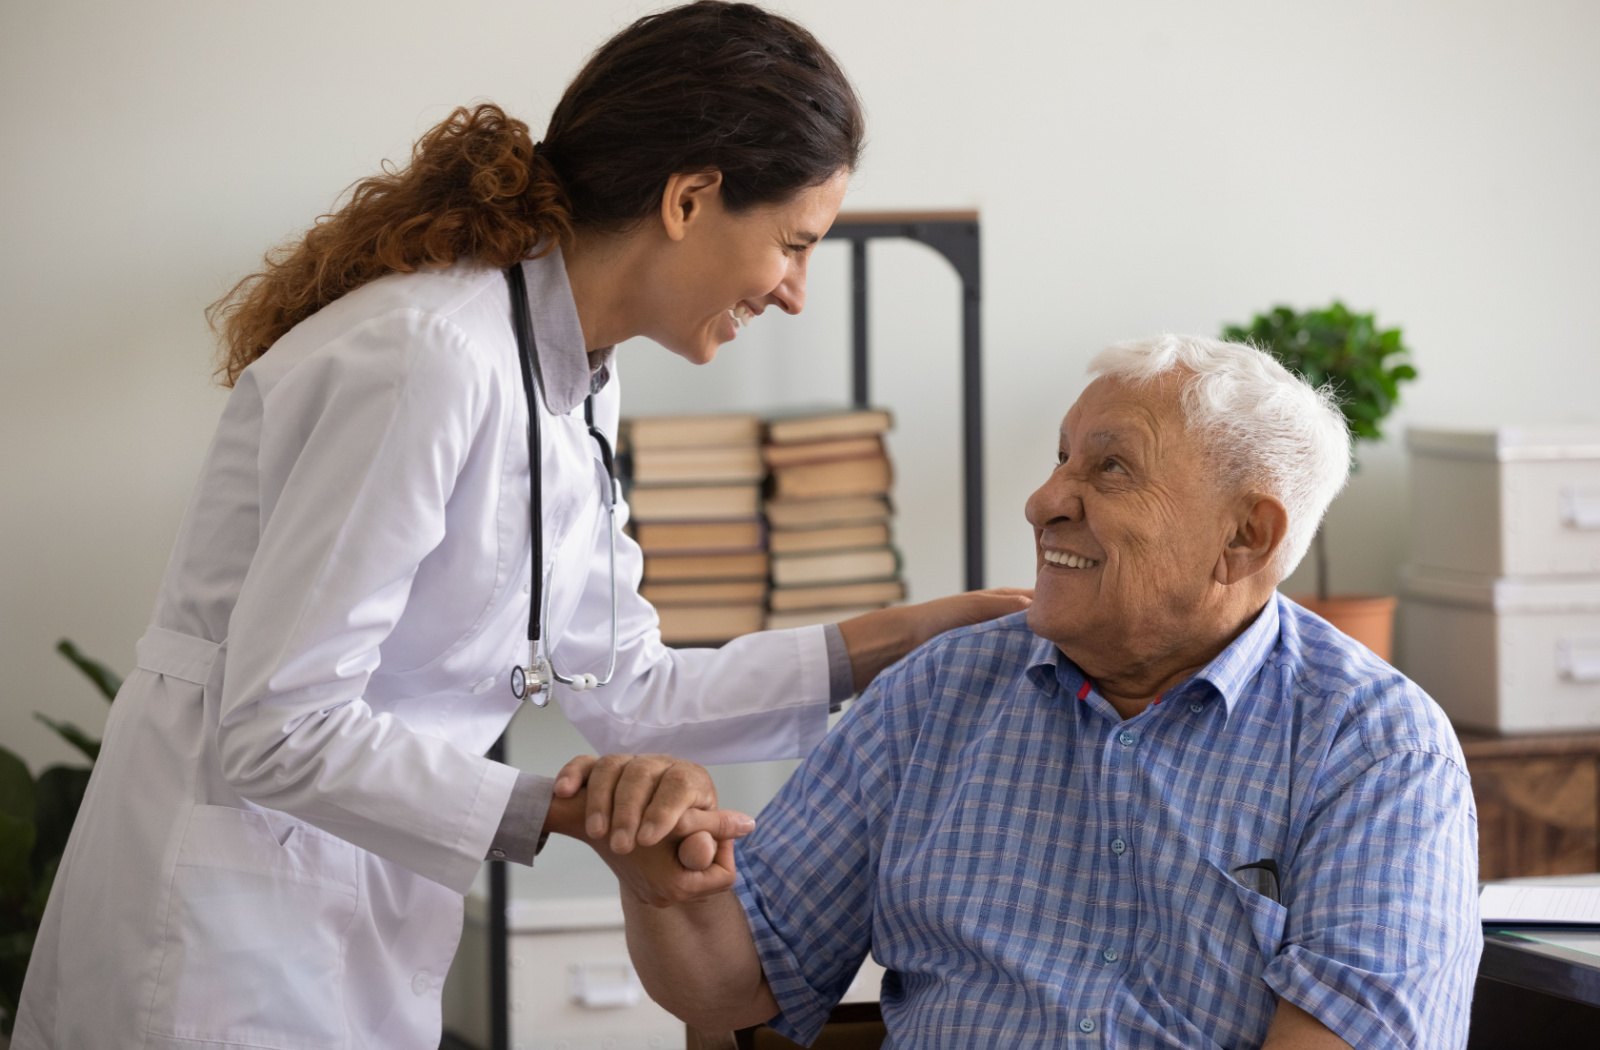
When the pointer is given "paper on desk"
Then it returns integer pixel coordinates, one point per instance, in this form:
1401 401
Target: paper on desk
1540 905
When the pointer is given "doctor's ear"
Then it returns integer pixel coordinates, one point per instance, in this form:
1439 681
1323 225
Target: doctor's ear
685 200
1258 532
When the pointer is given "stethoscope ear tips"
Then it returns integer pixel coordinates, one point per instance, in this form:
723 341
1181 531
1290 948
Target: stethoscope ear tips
582 683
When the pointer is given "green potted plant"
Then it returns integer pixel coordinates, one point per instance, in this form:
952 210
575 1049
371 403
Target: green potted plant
36 814
1366 365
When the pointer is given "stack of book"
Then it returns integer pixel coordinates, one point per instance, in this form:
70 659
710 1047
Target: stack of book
696 512
828 515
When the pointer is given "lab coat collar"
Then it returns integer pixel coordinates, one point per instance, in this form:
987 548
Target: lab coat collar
562 361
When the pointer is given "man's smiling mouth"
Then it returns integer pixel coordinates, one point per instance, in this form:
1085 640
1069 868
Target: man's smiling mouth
1071 561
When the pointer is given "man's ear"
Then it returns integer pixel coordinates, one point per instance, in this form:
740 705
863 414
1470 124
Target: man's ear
684 201
1258 534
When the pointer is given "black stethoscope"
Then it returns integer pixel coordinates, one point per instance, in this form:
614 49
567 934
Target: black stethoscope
534 682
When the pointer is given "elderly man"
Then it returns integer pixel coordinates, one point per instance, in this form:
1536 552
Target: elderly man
1163 808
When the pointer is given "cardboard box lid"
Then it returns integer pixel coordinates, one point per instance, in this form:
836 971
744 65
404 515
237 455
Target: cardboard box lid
1509 443
1501 594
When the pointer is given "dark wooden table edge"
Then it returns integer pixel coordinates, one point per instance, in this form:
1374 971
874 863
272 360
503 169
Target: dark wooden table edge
1546 968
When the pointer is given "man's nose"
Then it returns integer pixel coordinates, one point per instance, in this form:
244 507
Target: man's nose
1056 500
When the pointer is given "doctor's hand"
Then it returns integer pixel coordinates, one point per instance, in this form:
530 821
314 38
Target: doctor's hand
877 639
692 861
639 799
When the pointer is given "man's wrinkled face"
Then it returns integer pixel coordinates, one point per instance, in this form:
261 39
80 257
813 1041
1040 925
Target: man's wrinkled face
1128 528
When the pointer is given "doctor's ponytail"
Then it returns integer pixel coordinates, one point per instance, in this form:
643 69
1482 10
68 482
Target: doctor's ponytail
710 86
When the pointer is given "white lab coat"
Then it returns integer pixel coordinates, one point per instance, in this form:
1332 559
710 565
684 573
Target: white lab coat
292 798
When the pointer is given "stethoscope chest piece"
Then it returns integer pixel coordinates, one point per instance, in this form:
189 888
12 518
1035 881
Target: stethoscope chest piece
532 684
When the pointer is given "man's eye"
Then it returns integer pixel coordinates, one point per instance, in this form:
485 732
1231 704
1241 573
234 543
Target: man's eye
1061 459
1111 466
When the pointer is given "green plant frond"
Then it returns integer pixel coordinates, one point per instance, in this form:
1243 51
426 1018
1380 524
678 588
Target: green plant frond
16 787
73 735
105 679
17 836
57 797
1338 347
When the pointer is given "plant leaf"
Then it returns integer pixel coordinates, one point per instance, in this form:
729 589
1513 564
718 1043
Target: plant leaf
16 787
58 795
73 735
105 679
16 848
1336 347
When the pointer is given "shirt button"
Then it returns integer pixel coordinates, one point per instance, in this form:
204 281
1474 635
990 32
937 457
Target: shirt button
1195 706
1118 846
483 686
1127 738
498 854
1109 955
1086 1025
420 984
527 588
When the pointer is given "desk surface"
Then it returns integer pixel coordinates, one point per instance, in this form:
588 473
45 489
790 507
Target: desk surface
1562 961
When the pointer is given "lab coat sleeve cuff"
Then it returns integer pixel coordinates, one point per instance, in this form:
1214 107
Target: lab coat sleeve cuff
521 834
841 673
478 829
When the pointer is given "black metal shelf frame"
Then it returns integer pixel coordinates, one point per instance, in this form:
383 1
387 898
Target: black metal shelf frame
953 235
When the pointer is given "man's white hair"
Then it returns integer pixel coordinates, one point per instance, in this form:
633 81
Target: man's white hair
1265 427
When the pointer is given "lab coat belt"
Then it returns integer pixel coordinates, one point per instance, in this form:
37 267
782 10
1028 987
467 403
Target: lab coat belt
176 655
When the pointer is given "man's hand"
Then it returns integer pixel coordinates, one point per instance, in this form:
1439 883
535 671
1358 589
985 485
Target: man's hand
638 799
877 639
694 860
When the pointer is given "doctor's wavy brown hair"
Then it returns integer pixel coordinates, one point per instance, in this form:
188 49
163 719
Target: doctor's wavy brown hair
709 86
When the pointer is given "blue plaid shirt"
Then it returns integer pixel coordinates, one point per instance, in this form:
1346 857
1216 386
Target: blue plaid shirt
1033 870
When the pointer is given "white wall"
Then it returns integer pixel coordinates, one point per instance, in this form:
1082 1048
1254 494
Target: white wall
1140 167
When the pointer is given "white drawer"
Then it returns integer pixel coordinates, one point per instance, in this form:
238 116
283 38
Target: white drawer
1516 501
572 987
1503 654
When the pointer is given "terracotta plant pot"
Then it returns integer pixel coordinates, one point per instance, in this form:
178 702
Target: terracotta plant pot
1369 619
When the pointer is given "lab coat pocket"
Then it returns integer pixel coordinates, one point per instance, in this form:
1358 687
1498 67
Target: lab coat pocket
254 943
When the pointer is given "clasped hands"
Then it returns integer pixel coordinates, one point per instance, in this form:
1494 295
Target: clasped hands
654 821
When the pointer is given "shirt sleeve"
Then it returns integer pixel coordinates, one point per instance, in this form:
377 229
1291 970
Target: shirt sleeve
1382 937
361 444
521 834
806 874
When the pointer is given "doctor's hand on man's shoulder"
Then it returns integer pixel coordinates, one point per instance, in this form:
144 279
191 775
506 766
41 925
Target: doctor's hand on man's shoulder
877 639
655 821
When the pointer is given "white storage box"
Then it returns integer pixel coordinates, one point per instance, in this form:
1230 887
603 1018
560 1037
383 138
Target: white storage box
572 986
1517 501
1506 655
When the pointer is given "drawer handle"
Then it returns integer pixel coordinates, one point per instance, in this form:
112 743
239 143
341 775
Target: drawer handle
1580 506
604 984
1578 659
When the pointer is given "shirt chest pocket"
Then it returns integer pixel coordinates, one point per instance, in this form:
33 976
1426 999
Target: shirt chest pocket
253 949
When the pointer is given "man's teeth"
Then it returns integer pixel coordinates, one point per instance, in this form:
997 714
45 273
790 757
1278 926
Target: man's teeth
1071 561
742 315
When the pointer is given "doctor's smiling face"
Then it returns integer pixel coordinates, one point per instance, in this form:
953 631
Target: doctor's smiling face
712 269
1138 542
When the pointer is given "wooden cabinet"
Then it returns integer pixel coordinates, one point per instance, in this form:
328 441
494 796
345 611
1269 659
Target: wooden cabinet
1538 803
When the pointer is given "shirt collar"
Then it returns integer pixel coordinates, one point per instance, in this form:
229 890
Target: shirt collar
562 360
1228 672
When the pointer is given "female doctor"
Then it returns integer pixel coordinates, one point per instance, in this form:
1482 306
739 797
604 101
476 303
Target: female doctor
292 796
